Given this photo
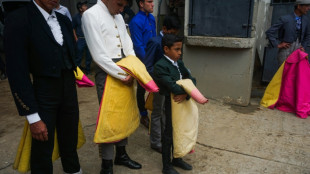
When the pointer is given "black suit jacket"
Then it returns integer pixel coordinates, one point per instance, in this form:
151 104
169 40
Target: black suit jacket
284 30
166 75
30 47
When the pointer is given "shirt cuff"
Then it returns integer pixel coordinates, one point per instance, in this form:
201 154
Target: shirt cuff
32 118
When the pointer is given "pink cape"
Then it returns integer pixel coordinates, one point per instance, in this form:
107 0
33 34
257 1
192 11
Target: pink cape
295 92
85 82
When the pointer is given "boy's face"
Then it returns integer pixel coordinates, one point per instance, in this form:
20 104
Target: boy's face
174 52
83 8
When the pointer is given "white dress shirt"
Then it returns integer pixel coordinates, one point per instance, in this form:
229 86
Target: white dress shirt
52 21
106 35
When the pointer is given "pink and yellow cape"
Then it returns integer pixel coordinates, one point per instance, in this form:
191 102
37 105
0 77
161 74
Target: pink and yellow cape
185 119
118 115
81 79
288 90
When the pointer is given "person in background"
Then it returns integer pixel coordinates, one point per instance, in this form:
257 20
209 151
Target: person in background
291 31
153 53
142 27
129 12
63 10
80 39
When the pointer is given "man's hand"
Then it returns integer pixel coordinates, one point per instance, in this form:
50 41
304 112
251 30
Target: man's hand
179 98
284 45
75 36
128 80
39 131
302 48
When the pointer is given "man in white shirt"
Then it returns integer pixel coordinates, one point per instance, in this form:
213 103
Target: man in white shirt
39 41
108 41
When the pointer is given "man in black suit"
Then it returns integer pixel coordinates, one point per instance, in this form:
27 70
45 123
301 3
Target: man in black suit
39 41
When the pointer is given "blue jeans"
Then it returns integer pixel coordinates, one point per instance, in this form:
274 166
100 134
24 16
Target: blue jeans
81 46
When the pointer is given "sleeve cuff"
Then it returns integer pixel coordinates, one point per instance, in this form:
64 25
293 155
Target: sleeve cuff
32 118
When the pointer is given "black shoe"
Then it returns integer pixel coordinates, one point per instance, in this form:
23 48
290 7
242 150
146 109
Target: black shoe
144 120
3 76
106 171
170 170
178 162
157 149
122 158
106 167
126 161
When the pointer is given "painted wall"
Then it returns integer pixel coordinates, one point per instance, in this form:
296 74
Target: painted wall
223 69
222 73
261 22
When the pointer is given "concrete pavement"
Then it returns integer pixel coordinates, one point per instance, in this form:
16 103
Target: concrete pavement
231 140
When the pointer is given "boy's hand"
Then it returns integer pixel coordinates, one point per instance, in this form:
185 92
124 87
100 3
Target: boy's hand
179 98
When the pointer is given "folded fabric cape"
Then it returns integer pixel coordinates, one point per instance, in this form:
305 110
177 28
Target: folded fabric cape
185 119
22 159
149 102
190 89
118 115
288 90
81 79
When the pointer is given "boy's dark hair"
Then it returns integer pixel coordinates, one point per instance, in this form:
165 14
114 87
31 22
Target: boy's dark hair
169 39
172 22
80 4
138 2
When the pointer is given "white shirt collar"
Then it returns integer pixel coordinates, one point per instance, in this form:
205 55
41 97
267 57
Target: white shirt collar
161 33
60 7
175 63
45 13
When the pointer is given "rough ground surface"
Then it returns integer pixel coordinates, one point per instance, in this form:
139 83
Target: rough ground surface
231 140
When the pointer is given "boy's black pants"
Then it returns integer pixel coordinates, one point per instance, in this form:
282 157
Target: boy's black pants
167 141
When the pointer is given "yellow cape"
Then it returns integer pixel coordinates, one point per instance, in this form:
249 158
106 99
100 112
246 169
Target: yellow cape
149 102
272 91
185 118
118 114
78 74
22 159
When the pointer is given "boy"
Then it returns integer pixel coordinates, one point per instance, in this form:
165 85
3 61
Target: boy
167 71
153 53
